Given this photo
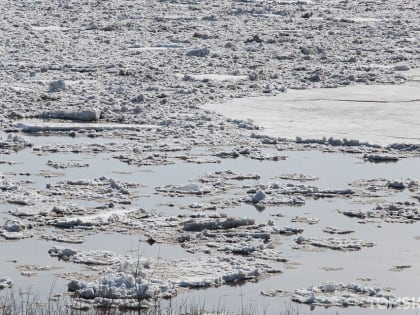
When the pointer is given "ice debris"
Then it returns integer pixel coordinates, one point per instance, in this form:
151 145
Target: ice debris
298 177
300 219
229 223
333 243
278 193
233 236
14 141
89 220
187 189
92 114
56 86
14 230
132 280
378 158
352 294
61 165
100 188
335 230
5 282
90 257
403 212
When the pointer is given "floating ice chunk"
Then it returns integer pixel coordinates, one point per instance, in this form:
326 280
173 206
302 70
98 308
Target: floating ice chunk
61 252
377 158
337 142
258 196
91 114
226 175
130 280
396 184
105 218
199 52
226 154
198 282
240 275
49 28
401 68
101 188
42 126
194 189
352 294
122 286
90 257
299 219
5 282
288 231
61 165
400 212
298 177
280 193
63 239
14 141
334 230
334 243
14 230
13 226
229 223
243 249
57 86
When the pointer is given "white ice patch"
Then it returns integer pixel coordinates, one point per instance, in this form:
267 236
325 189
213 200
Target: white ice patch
14 230
352 294
341 244
50 28
213 77
14 141
397 212
90 257
32 126
137 280
100 219
193 189
289 193
89 114
8 184
376 114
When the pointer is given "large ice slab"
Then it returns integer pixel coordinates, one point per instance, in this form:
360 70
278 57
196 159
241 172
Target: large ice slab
379 114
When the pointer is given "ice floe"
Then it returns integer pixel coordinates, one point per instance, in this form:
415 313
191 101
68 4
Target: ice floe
5 282
187 189
14 141
341 244
344 295
402 212
279 193
81 115
131 281
14 230
101 188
